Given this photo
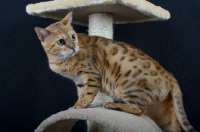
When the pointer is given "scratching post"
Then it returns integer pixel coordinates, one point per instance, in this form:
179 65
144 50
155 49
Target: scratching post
100 24
100 15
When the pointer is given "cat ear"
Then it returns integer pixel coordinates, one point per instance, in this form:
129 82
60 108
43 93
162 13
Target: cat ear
41 33
67 20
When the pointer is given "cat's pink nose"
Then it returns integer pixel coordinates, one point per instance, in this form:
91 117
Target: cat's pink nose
73 49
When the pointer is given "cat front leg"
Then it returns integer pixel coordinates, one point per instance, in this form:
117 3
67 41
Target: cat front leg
86 93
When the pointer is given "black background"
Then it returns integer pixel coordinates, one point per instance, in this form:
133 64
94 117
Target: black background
30 92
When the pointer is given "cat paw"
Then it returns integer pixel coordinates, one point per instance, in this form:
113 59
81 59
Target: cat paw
77 107
109 105
95 105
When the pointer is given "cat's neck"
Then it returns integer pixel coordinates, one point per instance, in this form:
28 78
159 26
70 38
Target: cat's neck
94 52
86 40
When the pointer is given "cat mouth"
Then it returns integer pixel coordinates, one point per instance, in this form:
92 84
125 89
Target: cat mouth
73 49
76 49
69 53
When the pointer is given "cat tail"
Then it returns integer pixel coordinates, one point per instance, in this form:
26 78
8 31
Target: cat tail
179 109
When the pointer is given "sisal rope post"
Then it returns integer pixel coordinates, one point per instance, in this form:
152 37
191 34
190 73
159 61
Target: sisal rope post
100 24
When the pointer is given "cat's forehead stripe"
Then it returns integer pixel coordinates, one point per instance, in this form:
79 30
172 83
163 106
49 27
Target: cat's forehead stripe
58 27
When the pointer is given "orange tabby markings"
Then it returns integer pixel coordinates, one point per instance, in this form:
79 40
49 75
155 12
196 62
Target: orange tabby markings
114 51
154 73
146 64
119 70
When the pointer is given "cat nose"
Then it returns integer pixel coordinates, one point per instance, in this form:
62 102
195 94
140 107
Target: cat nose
73 49
71 46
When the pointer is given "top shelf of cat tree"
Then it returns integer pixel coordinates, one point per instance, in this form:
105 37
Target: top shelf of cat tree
122 11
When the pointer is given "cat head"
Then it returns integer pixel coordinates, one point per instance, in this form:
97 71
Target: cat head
59 40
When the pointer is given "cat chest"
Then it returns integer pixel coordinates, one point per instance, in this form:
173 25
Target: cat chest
75 78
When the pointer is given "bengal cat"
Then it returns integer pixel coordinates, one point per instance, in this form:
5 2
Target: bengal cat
117 69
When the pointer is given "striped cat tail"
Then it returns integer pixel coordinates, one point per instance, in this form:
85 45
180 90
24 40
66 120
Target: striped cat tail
179 109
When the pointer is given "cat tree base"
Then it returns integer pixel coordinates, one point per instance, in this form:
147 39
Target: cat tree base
114 121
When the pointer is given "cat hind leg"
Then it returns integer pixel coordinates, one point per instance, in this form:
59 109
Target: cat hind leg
130 108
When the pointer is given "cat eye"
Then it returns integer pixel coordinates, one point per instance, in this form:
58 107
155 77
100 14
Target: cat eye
73 37
61 42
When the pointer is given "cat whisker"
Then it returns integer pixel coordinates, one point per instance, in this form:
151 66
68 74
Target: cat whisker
83 51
